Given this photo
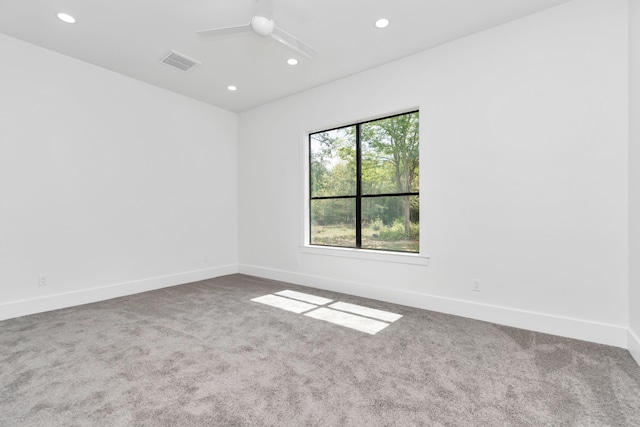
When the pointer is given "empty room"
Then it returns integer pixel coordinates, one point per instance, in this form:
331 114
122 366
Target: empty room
320 213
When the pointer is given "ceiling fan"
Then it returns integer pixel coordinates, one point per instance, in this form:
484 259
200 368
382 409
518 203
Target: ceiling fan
263 25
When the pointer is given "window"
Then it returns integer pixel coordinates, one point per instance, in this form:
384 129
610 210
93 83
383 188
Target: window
364 185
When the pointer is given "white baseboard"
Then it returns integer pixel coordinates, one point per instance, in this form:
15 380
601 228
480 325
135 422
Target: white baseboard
633 344
586 330
25 307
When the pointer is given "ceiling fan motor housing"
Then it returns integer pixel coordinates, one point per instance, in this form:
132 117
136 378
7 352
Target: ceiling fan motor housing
262 26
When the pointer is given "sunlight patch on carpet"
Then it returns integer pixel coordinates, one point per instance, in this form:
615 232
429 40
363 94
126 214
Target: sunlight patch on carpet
285 303
352 321
366 311
305 297
358 317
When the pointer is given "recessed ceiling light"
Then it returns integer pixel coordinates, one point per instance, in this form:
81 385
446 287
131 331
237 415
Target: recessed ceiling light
382 22
66 18
292 61
232 88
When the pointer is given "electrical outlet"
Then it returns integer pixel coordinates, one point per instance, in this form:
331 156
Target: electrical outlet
476 285
42 280
205 259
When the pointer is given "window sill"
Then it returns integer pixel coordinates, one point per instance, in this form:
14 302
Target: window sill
369 255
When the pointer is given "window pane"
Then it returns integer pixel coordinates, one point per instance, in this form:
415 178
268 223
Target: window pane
333 163
333 222
390 155
391 223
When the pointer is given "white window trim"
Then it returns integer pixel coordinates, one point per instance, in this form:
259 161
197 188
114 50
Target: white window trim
366 254
354 253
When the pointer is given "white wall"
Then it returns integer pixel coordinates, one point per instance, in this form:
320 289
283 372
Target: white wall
524 175
634 178
108 186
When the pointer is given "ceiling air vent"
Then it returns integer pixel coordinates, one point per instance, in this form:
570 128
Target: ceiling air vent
179 61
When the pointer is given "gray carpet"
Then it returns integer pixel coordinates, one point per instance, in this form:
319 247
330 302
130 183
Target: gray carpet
204 354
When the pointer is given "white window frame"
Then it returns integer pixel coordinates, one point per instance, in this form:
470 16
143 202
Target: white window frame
419 258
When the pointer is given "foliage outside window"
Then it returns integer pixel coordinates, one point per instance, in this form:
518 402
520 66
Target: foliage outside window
364 185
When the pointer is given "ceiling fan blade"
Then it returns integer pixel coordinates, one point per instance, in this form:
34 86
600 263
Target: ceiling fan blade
293 43
225 30
265 8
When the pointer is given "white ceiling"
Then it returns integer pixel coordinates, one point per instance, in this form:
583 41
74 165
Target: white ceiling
131 36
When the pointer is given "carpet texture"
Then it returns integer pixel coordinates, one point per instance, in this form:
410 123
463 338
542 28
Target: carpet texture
204 354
